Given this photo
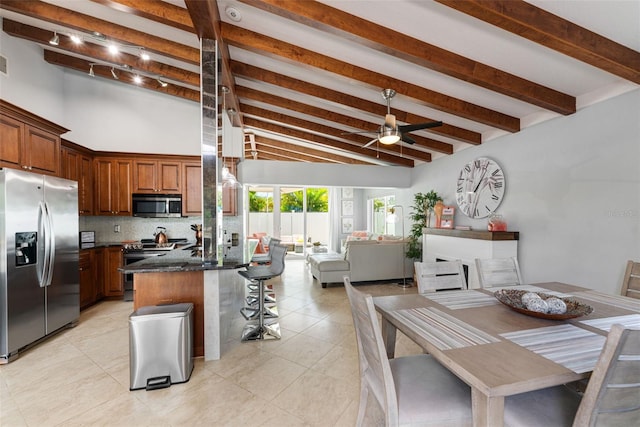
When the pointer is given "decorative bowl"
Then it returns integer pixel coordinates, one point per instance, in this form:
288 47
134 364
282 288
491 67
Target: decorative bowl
512 298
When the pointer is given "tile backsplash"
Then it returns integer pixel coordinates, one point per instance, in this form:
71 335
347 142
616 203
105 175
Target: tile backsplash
134 228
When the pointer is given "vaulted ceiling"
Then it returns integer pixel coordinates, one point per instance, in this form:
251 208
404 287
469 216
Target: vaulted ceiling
305 75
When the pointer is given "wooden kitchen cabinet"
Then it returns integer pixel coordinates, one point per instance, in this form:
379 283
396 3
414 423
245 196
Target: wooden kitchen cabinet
78 166
191 188
90 287
29 142
112 278
113 186
161 176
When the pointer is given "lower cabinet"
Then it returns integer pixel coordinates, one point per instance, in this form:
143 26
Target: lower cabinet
88 278
110 262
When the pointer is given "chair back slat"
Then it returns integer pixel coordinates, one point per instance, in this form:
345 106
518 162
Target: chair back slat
498 272
377 386
631 281
438 275
612 396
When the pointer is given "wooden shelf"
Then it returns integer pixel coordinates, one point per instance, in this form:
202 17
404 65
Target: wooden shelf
473 234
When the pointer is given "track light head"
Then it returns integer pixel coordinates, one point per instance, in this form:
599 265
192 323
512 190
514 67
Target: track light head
144 55
137 79
162 83
91 73
55 40
113 73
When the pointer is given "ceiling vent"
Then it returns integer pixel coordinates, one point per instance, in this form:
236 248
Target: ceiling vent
3 65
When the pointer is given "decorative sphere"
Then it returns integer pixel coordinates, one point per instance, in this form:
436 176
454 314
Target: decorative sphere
525 298
537 305
556 306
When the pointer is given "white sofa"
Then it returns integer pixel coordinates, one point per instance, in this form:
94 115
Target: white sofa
364 260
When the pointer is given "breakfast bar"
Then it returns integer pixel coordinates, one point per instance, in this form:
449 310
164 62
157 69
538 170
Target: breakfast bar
215 289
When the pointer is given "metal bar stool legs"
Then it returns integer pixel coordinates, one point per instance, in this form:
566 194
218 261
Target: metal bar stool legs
258 328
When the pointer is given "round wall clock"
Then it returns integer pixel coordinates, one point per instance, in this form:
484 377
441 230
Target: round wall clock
480 188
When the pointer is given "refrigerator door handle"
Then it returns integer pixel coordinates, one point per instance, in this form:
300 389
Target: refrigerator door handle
42 240
51 241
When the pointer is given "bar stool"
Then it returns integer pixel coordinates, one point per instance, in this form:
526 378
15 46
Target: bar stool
258 329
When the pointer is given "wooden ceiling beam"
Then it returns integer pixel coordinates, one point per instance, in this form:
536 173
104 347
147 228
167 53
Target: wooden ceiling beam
325 141
154 10
311 152
254 73
554 32
264 45
334 21
356 141
88 24
126 77
248 93
262 148
100 54
265 155
206 20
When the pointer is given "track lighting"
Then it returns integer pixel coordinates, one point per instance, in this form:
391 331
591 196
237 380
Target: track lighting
161 83
137 79
91 70
144 55
55 40
113 73
113 49
75 38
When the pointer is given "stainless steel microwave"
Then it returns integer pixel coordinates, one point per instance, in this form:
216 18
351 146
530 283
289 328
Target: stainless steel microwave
157 205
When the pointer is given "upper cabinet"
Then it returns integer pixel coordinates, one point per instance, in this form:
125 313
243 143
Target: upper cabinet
29 142
157 176
78 166
192 188
113 186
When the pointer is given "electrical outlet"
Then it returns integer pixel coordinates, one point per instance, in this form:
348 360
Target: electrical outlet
116 228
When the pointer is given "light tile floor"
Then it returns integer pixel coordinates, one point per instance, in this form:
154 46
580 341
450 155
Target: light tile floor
308 378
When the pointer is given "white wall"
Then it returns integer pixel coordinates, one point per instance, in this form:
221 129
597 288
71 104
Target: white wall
572 191
37 89
101 114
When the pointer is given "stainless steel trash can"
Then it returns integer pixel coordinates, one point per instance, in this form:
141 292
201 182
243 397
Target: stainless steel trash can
160 345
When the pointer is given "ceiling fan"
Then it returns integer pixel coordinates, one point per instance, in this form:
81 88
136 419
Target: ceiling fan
390 133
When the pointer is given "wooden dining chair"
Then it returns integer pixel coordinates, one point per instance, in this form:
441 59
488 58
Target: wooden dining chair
498 272
631 281
612 397
439 275
410 390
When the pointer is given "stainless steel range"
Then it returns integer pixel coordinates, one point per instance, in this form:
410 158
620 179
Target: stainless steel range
147 248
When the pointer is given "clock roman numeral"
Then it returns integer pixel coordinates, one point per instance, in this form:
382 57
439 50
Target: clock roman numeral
494 197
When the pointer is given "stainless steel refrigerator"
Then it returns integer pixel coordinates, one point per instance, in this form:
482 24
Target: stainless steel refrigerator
39 280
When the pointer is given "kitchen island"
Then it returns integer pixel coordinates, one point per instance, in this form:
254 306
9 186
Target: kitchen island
217 292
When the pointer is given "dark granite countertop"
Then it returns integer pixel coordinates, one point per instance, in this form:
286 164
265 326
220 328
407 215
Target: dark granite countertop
181 259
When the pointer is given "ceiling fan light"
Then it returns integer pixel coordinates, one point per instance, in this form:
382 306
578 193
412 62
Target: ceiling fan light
389 136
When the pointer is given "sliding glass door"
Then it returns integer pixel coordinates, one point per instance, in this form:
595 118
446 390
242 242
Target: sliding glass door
298 216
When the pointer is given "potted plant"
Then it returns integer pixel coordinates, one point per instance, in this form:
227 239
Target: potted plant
421 217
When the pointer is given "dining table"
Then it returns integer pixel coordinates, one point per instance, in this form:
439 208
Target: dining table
501 352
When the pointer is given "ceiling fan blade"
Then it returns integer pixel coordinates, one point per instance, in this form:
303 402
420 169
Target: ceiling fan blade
390 121
370 142
418 126
407 139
